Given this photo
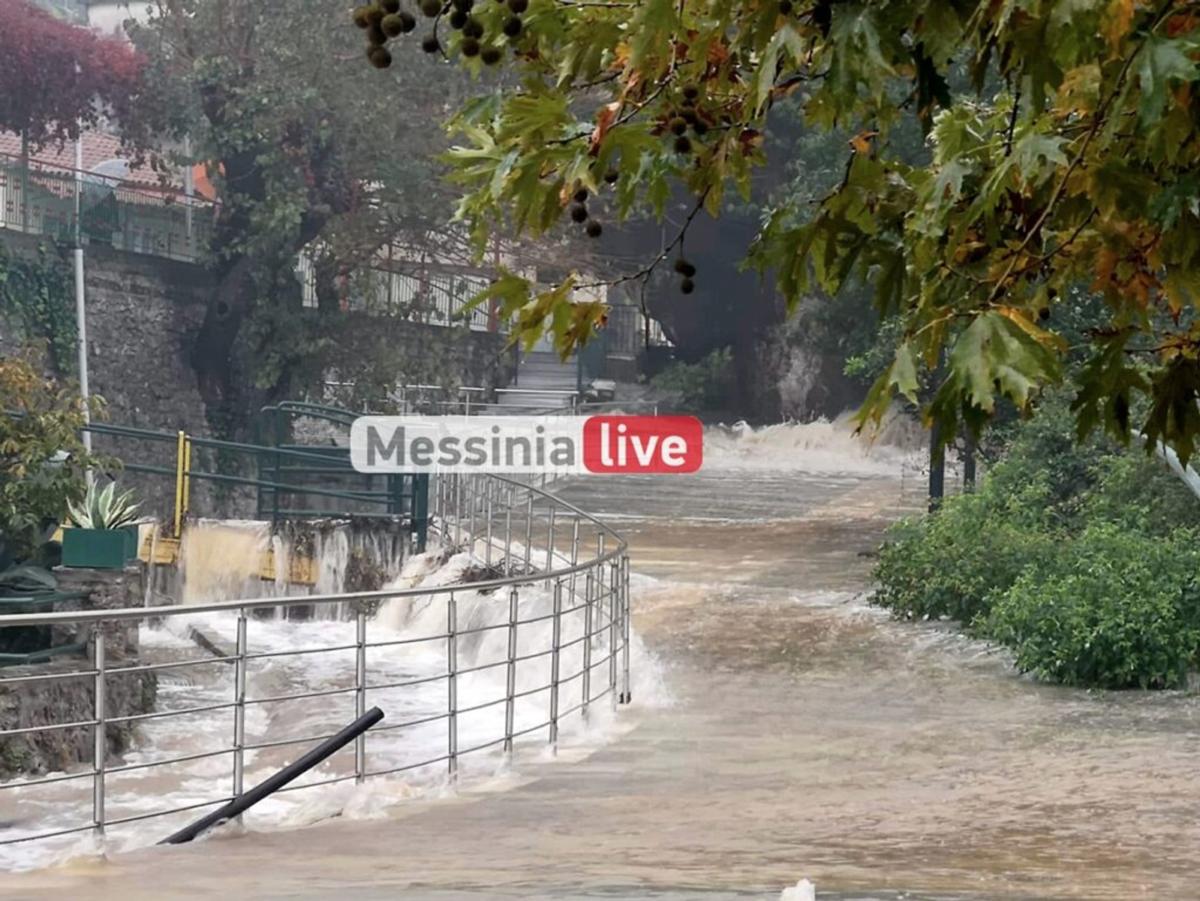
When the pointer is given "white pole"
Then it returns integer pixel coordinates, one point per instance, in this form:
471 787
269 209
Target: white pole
189 191
80 309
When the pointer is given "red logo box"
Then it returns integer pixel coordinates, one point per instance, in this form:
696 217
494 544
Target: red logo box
643 444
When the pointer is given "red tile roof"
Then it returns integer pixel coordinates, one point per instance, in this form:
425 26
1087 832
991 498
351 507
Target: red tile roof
98 147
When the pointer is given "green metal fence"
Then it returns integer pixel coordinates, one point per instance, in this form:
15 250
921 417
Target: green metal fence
289 481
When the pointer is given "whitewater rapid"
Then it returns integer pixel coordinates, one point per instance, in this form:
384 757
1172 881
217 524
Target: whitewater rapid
143 791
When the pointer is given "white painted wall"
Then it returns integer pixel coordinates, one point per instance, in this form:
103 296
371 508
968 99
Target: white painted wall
107 17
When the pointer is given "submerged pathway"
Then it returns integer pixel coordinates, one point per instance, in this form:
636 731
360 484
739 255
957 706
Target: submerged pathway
806 735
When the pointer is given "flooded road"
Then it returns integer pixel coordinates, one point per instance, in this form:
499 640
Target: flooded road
804 735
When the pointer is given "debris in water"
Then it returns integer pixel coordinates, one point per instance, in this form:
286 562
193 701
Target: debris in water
803 891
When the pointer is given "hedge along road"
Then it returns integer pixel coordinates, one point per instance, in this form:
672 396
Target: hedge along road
796 733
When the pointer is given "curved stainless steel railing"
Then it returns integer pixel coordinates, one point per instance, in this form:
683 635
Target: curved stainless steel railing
544 561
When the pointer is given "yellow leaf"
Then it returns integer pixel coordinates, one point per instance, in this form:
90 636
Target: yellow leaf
1038 334
861 142
604 121
1118 22
1079 91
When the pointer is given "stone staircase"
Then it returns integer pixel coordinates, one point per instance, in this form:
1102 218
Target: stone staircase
542 379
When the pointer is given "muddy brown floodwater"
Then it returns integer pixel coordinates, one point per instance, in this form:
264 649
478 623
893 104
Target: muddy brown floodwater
808 736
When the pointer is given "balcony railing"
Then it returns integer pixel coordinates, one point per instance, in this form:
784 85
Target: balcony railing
41 199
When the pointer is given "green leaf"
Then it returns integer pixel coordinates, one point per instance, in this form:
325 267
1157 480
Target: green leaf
1162 61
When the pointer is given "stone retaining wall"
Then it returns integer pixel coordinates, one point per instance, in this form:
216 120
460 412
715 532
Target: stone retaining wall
67 700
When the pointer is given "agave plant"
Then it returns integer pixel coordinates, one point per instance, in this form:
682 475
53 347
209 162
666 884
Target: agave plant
103 508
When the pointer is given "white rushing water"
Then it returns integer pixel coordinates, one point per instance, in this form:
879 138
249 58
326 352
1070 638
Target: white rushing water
820 446
143 791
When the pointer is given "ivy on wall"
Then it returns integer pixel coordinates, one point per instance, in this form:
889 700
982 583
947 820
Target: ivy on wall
36 296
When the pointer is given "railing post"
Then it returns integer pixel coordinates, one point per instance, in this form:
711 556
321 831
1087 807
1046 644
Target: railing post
571 593
473 500
452 685
555 661
528 529
508 508
626 619
239 707
587 642
180 444
458 493
100 731
491 490
187 474
550 543
613 626
360 692
510 689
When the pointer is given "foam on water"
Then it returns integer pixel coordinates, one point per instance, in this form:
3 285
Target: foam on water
419 747
821 446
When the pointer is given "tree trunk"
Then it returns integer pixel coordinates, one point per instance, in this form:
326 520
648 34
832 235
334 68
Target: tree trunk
213 352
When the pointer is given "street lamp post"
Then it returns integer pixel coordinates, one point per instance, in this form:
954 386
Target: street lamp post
80 307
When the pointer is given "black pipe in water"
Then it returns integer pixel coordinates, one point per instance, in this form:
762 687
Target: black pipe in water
246 800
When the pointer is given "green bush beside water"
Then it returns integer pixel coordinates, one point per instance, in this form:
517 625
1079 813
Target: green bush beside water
1081 559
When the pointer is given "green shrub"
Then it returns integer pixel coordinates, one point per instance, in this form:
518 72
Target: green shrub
1113 609
953 563
706 385
1141 494
1078 557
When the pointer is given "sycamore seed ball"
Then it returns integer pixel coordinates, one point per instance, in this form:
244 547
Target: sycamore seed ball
431 8
687 286
458 19
380 57
512 26
491 55
407 22
393 25
430 44
362 16
579 213
390 6
678 125
518 6
683 145
473 28
594 229
376 36
469 47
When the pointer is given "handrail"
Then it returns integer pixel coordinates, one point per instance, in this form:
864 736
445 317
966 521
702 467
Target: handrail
289 773
561 596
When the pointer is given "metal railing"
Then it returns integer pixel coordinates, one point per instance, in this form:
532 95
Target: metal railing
537 641
288 481
40 198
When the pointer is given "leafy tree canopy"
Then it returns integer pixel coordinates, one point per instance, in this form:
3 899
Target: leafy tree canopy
304 156
1068 158
57 77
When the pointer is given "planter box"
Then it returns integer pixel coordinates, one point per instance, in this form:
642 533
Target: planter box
99 548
